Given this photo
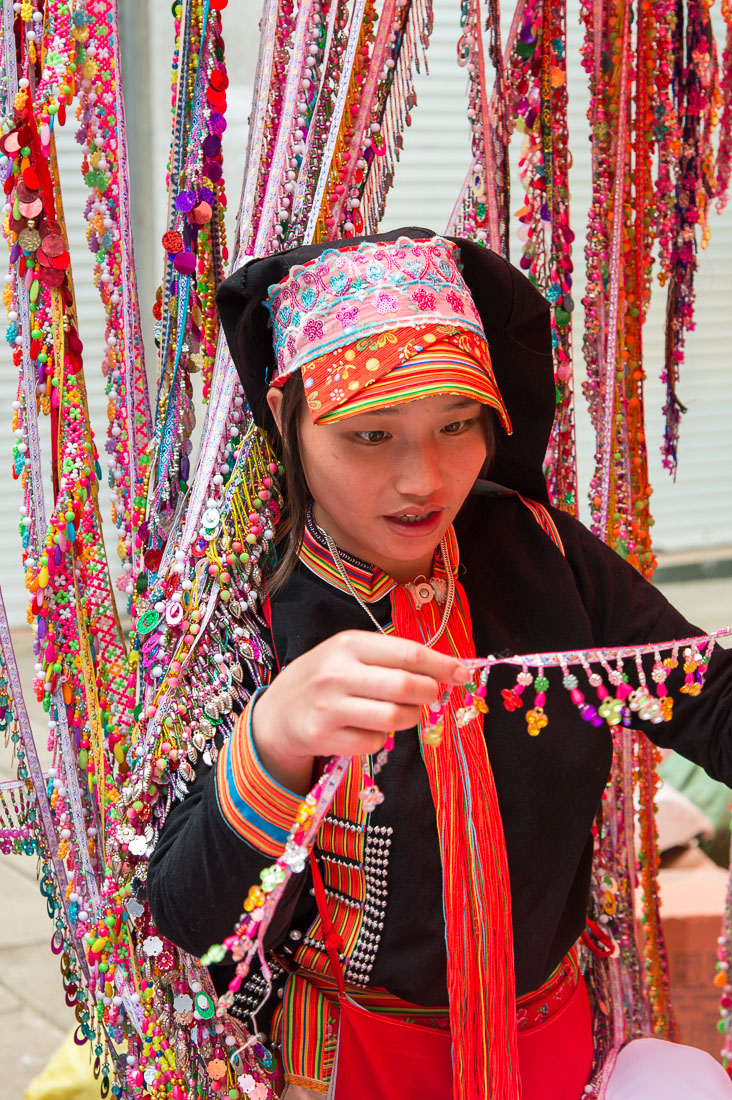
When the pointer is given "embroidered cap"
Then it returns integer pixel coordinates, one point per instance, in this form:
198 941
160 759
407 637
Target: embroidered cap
515 320
352 319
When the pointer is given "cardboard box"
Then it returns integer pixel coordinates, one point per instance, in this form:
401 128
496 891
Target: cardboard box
692 902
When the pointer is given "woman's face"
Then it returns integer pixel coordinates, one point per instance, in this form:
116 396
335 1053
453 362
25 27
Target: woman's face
388 484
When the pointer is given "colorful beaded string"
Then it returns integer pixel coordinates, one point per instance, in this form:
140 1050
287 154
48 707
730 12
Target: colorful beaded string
616 710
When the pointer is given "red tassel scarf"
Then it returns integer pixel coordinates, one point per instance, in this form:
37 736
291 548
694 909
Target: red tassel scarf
476 889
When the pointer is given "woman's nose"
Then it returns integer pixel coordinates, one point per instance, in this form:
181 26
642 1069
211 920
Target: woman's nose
418 472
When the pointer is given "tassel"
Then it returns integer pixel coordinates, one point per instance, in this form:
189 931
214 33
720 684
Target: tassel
477 900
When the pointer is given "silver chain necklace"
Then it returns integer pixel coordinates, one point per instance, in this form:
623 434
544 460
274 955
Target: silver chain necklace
338 562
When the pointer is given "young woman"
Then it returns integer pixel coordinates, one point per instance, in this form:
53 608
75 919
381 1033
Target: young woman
407 381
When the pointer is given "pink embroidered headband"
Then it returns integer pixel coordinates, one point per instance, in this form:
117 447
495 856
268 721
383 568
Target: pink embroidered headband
350 318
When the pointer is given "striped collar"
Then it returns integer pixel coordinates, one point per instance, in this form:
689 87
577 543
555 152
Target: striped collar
370 582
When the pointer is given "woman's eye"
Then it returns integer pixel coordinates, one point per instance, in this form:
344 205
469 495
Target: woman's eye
457 426
371 437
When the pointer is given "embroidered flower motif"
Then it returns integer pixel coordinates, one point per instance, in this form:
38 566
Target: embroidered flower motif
338 282
423 298
375 272
454 301
336 394
313 330
347 315
291 344
386 303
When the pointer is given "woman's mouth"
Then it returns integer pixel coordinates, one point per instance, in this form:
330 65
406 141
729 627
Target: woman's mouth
415 523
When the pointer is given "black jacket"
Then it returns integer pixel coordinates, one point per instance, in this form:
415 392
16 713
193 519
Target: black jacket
525 596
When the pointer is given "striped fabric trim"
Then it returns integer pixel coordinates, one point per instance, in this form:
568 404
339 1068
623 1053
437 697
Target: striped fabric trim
440 369
543 517
306 1024
253 804
340 850
371 583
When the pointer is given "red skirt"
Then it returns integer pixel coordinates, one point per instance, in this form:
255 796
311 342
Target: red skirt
379 1055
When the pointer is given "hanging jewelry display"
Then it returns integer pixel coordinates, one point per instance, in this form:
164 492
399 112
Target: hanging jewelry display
103 140
334 91
187 326
618 266
538 75
697 98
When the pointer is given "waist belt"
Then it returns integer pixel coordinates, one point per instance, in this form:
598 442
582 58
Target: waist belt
306 1023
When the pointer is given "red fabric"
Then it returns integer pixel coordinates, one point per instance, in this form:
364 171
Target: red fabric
379 1056
476 897
555 1058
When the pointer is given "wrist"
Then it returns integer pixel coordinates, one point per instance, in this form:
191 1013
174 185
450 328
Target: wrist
255 805
272 744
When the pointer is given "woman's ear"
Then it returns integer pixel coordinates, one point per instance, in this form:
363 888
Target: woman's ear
274 400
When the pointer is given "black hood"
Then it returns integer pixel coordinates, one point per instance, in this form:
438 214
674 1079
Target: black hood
516 321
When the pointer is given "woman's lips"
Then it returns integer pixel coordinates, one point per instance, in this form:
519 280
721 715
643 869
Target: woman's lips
415 525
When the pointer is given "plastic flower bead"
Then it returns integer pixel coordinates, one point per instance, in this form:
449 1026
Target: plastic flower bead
432 734
215 954
370 795
639 699
371 798
690 688
611 710
295 856
466 714
305 811
271 877
254 899
435 727
511 700
536 720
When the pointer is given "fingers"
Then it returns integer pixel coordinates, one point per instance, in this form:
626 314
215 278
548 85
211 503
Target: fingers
374 715
358 742
352 726
390 652
394 685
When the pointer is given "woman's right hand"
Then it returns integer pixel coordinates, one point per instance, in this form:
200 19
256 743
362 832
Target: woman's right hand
343 698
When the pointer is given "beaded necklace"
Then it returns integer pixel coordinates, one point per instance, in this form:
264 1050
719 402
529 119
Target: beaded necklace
412 588
195 251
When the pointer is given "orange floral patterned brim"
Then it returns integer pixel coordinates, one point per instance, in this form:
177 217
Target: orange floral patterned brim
397 365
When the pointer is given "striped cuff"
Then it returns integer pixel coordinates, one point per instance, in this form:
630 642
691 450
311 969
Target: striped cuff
256 807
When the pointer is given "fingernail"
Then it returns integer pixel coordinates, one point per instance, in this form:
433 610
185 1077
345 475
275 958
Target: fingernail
461 675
